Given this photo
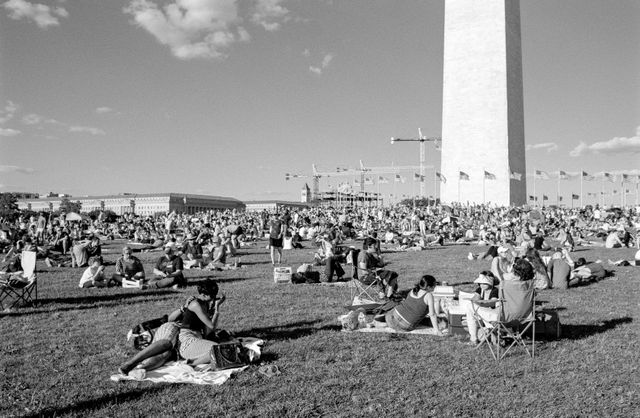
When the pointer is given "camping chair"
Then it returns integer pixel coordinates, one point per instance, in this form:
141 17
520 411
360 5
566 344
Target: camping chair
516 318
20 288
364 289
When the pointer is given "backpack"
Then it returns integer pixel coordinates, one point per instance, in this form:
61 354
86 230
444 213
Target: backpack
142 334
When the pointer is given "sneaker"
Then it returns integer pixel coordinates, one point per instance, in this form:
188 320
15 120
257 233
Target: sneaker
47 261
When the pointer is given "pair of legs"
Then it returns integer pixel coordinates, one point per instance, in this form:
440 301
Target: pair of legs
158 352
486 314
275 250
332 265
194 348
389 283
163 282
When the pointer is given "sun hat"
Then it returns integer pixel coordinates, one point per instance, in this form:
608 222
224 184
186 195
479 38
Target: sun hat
502 249
482 279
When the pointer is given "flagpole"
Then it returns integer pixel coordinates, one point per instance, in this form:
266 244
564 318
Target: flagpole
558 190
534 187
581 185
484 178
458 184
622 192
435 185
602 191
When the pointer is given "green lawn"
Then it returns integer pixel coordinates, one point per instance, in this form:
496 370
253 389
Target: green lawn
56 358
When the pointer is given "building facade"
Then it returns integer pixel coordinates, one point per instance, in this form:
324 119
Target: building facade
139 204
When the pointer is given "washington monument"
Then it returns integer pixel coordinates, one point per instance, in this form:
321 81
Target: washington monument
483 152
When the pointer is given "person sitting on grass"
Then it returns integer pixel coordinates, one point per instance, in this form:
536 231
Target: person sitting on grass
418 304
168 271
81 252
128 267
200 319
584 272
93 276
483 304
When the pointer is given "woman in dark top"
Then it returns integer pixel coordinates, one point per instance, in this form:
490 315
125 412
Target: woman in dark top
418 304
200 318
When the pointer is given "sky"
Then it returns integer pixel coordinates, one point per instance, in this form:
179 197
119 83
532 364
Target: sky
224 97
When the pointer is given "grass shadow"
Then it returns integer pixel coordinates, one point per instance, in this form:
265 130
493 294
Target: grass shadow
288 331
106 298
96 404
577 332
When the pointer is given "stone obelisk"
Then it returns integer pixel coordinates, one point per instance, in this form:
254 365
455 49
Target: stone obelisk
482 107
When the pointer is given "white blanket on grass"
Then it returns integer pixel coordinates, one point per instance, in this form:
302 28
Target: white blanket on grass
181 372
370 327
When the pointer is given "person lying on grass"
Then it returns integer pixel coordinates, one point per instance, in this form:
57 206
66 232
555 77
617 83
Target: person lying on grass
93 276
161 348
418 304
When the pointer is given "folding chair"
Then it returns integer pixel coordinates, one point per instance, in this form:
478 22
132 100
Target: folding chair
364 289
516 318
20 288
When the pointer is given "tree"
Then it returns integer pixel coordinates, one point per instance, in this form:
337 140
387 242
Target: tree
68 206
8 205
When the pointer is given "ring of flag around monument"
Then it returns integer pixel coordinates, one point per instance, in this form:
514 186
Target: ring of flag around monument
464 176
489 176
441 177
515 176
539 174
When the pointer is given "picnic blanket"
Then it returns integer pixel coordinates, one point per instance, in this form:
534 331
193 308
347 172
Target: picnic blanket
181 372
380 327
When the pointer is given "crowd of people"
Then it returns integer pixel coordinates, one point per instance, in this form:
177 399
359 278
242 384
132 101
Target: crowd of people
522 243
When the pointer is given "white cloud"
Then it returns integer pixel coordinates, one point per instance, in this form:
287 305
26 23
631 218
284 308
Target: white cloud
549 146
31 119
191 28
103 109
9 132
44 16
326 61
15 169
8 112
617 145
87 129
270 14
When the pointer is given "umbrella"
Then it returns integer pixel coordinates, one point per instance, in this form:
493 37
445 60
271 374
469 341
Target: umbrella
72 216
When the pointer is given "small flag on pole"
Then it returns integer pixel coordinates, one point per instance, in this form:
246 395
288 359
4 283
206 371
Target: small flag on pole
608 177
615 191
562 175
368 180
397 178
559 198
586 176
356 182
416 177
545 197
515 176
383 180
539 174
625 178
489 176
441 177
464 176
575 196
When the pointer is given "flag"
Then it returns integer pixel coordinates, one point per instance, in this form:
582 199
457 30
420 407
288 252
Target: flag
368 180
534 198
287 176
416 177
464 176
625 178
531 197
545 197
489 176
356 182
562 175
383 180
608 177
438 144
615 191
627 191
397 178
515 176
539 174
441 177
586 176
575 196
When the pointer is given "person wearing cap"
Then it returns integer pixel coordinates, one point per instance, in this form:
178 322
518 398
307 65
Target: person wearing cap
192 251
483 304
168 271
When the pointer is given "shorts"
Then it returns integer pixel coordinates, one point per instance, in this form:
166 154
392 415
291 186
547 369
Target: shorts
275 242
168 331
395 321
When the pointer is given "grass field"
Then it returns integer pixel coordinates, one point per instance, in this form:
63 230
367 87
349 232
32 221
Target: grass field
56 358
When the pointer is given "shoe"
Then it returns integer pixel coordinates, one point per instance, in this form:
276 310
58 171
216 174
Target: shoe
137 374
48 262
175 287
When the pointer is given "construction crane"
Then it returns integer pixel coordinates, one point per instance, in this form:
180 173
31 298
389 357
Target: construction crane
316 175
421 139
